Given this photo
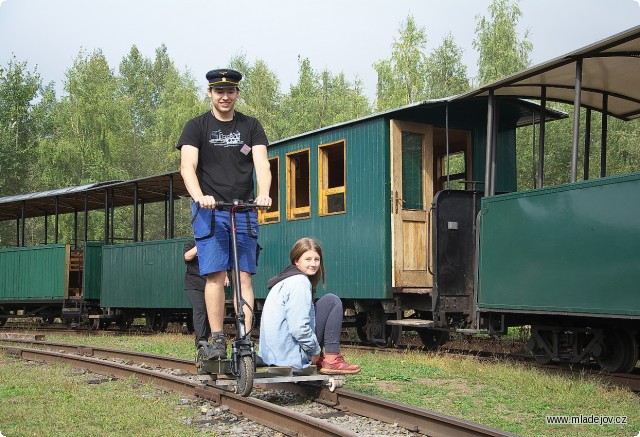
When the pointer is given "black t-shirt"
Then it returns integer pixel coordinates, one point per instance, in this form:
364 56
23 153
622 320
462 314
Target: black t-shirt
192 278
225 162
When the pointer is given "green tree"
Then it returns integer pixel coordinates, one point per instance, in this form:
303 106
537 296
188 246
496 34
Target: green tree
321 99
501 51
89 120
19 131
446 74
260 95
159 100
402 79
180 100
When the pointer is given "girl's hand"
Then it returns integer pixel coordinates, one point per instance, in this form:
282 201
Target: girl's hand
316 360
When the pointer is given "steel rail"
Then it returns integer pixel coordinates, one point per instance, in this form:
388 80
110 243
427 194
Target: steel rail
278 418
628 380
406 416
184 365
262 412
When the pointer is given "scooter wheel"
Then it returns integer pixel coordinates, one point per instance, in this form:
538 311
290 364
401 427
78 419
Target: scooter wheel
245 376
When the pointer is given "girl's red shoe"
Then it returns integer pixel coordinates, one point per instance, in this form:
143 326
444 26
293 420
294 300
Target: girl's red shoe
338 367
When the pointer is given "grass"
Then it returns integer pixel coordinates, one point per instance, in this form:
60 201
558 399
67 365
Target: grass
54 400
510 396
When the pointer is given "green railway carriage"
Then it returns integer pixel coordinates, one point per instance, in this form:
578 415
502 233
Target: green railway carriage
591 226
364 190
565 260
54 277
72 281
145 279
45 281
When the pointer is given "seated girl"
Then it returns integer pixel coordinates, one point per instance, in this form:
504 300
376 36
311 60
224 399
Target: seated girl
293 330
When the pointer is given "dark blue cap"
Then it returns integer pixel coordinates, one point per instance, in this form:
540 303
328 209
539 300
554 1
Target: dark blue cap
224 78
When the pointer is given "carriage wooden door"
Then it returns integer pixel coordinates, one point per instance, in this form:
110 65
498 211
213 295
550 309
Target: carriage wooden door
411 197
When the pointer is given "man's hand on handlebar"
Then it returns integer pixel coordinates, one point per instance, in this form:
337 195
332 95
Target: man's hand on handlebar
206 202
263 202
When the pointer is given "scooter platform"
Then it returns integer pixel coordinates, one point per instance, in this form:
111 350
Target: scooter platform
218 373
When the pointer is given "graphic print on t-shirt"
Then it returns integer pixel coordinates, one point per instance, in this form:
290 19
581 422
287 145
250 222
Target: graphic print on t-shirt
221 140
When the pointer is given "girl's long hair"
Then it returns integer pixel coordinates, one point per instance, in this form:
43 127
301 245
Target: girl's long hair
299 248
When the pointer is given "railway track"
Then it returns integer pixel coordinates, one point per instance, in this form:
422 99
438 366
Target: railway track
345 408
630 380
627 380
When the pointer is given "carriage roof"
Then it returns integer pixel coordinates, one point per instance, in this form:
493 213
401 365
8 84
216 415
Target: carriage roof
609 68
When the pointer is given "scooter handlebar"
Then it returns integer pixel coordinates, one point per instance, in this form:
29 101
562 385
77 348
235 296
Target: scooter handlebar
236 203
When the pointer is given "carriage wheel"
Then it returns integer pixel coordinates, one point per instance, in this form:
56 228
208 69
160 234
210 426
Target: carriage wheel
2 319
631 351
432 338
104 324
163 322
614 359
376 332
125 323
94 324
245 376
158 322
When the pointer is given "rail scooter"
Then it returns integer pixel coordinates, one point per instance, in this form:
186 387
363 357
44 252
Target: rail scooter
242 363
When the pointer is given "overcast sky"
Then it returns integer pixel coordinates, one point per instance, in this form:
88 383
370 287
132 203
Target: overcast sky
340 35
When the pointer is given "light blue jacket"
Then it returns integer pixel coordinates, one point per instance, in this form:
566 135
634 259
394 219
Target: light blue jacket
288 323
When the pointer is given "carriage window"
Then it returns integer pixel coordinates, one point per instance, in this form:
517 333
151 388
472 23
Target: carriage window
298 204
272 215
331 173
457 171
412 170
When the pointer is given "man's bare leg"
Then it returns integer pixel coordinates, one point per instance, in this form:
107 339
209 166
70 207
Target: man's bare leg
247 296
214 300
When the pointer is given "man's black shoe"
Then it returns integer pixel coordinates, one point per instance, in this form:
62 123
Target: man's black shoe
217 349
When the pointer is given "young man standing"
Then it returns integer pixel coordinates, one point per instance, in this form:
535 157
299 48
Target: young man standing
218 152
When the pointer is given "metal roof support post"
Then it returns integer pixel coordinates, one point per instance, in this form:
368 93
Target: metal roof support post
75 228
113 216
56 221
166 227
142 221
135 212
489 146
23 212
533 148
171 209
494 142
18 232
576 121
587 143
86 218
46 227
543 116
106 216
603 139
446 134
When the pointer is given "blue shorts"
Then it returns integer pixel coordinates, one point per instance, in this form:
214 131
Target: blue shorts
212 232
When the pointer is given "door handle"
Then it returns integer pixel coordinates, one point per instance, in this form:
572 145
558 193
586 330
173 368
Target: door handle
395 200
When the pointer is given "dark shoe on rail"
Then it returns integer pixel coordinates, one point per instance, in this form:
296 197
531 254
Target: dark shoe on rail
217 348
